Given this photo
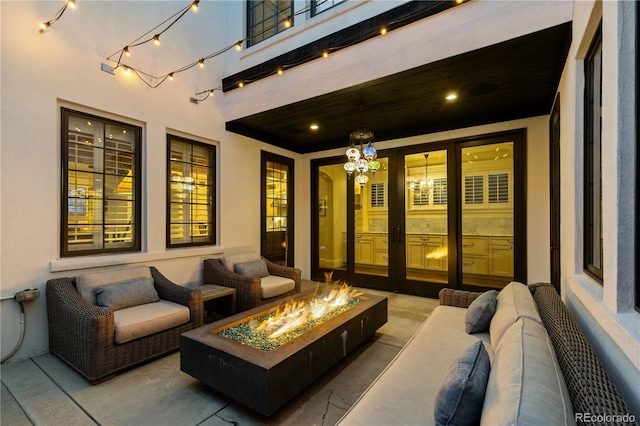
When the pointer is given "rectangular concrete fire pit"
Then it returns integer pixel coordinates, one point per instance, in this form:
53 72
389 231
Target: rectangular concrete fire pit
266 380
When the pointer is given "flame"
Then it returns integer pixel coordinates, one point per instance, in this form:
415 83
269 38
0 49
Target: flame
295 314
438 253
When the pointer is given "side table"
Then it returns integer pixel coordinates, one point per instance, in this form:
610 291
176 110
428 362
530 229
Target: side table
213 291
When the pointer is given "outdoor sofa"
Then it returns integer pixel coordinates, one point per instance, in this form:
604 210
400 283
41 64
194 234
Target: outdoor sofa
540 368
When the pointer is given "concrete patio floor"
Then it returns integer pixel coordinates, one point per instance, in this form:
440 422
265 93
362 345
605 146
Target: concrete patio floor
43 390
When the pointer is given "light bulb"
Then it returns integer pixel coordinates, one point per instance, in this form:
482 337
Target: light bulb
241 84
239 46
280 72
126 51
210 92
383 31
170 76
71 3
287 22
194 5
201 62
44 26
325 54
156 39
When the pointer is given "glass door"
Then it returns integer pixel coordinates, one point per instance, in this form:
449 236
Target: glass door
352 226
277 209
487 214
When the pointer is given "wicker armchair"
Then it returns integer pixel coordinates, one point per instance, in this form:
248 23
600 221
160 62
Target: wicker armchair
82 334
249 291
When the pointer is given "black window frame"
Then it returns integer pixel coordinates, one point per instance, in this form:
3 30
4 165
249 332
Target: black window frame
213 193
66 113
593 158
637 167
315 3
273 22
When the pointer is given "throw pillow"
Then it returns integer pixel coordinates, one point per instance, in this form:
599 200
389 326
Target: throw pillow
126 294
480 312
461 394
255 269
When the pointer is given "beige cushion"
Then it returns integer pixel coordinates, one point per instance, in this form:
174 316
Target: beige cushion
87 282
143 320
230 261
513 302
273 285
526 386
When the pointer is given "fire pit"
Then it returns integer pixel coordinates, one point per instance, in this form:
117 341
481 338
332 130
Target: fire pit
265 378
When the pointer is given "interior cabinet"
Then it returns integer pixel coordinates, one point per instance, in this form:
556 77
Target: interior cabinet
501 256
381 249
364 248
419 247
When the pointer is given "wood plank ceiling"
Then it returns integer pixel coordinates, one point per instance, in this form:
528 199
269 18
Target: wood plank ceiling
510 80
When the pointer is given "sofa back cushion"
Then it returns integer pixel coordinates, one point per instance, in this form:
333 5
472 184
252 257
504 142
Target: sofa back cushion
526 386
230 261
87 282
513 302
126 294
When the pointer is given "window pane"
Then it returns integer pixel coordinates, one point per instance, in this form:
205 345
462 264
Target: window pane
190 180
593 164
266 18
100 173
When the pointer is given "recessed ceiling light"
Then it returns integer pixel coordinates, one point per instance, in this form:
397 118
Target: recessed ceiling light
314 127
451 96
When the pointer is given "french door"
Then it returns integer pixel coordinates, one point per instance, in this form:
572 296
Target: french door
447 214
276 211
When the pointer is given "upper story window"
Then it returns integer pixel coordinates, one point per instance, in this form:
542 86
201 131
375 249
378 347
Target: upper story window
318 6
267 18
191 189
101 185
592 161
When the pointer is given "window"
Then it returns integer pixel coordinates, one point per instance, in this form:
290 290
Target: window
266 18
191 193
593 166
421 196
440 191
473 190
499 188
100 177
377 195
318 6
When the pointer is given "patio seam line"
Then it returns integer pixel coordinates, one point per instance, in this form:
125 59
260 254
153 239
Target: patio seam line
220 417
18 403
65 392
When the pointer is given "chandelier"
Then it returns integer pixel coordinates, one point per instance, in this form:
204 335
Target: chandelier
361 154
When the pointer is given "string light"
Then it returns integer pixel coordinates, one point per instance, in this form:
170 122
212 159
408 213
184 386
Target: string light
207 94
156 39
44 26
286 22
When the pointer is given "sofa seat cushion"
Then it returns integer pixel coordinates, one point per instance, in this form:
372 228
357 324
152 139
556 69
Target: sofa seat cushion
514 301
143 320
273 286
405 392
87 282
526 386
